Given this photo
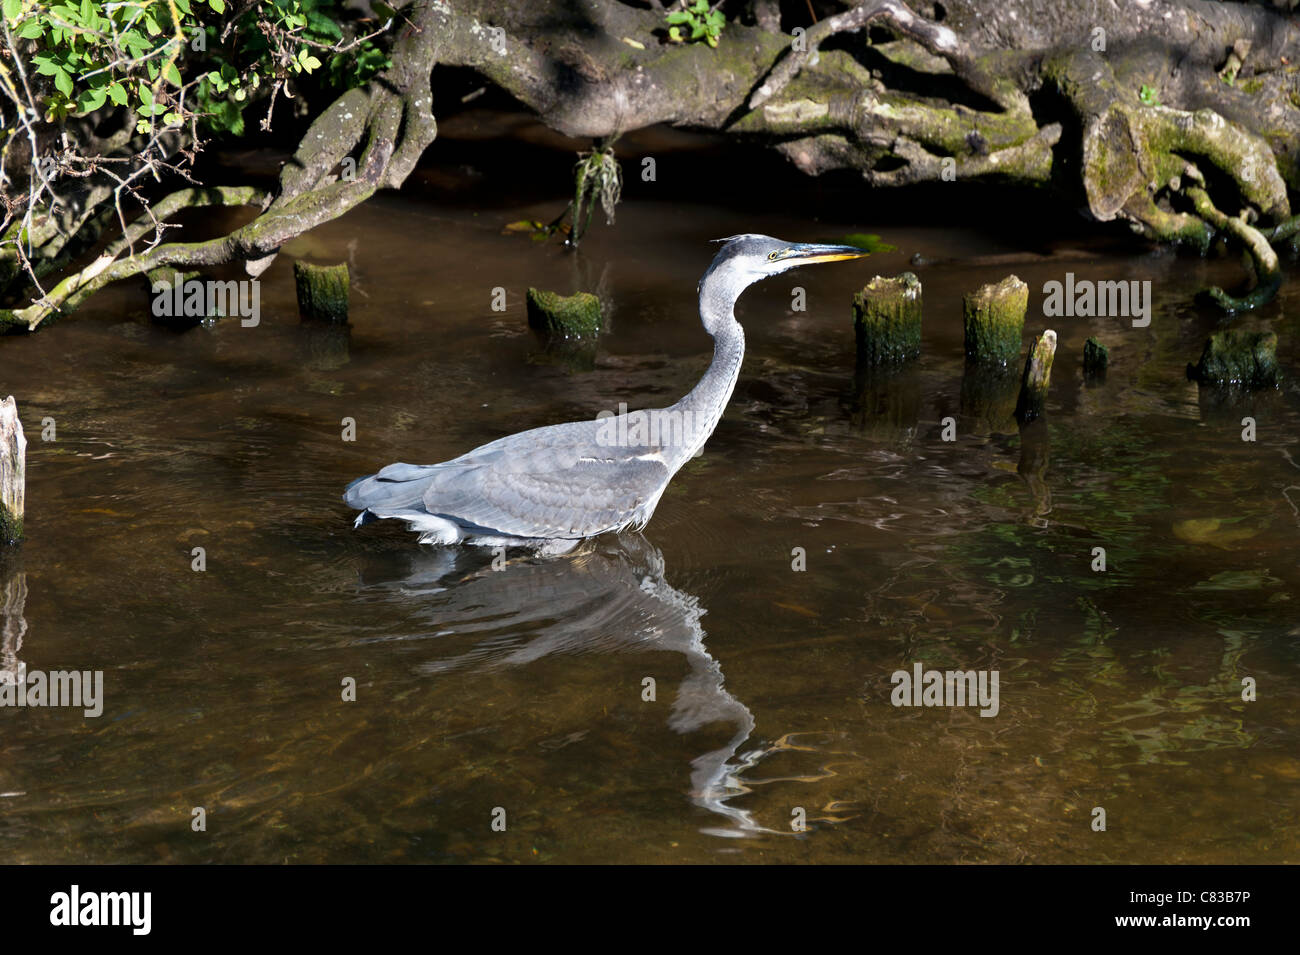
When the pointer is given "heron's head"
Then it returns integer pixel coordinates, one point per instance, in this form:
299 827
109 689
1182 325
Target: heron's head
751 258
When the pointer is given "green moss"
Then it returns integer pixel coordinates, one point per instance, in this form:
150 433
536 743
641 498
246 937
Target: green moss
322 292
1096 357
1246 359
575 316
11 527
994 322
887 320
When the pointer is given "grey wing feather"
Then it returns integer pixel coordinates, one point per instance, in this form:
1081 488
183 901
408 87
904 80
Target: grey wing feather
551 482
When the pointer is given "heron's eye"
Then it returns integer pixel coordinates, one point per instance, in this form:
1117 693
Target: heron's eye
772 256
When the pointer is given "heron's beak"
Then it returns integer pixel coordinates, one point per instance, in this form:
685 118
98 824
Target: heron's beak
809 253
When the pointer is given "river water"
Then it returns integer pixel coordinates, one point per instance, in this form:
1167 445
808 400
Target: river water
522 694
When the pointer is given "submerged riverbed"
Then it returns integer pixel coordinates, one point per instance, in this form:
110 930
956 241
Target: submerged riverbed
524 689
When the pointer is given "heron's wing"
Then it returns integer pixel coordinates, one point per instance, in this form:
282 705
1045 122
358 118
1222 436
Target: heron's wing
552 482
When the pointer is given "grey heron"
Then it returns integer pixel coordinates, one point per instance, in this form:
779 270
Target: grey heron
551 487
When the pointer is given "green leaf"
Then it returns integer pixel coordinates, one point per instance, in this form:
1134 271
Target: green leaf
31 29
323 28
678 16
135 44
90 100
171 74
64 82
183 6
218 5
117 94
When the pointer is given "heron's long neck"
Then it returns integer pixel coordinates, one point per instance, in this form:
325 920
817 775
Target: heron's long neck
703 407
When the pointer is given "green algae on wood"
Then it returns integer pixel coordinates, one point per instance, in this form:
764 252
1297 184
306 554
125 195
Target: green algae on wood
574 316
887 320
994 321
13 472
1096 357
322 292
1037 377
1235 357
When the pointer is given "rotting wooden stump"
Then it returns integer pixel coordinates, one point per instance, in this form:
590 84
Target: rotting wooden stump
322 292
573 316
1037 377
1096 357
13 472
1241 358
995 321
13 625
887 320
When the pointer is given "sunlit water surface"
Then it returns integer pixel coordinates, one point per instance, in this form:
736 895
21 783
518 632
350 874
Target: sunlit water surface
524 688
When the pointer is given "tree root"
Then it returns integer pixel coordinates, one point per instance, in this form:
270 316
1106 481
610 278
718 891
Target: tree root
1268 277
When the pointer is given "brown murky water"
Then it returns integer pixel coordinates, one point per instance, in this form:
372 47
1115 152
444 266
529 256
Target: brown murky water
523 689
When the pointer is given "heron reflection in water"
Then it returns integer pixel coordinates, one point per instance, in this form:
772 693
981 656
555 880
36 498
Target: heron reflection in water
610 596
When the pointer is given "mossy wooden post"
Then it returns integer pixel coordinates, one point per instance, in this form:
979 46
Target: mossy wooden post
574 316
1037 377
1244 359
994 322
322 292
13 472
887 320
1095 359
13 625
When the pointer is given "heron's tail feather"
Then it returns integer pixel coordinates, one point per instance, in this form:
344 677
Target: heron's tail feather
433 529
